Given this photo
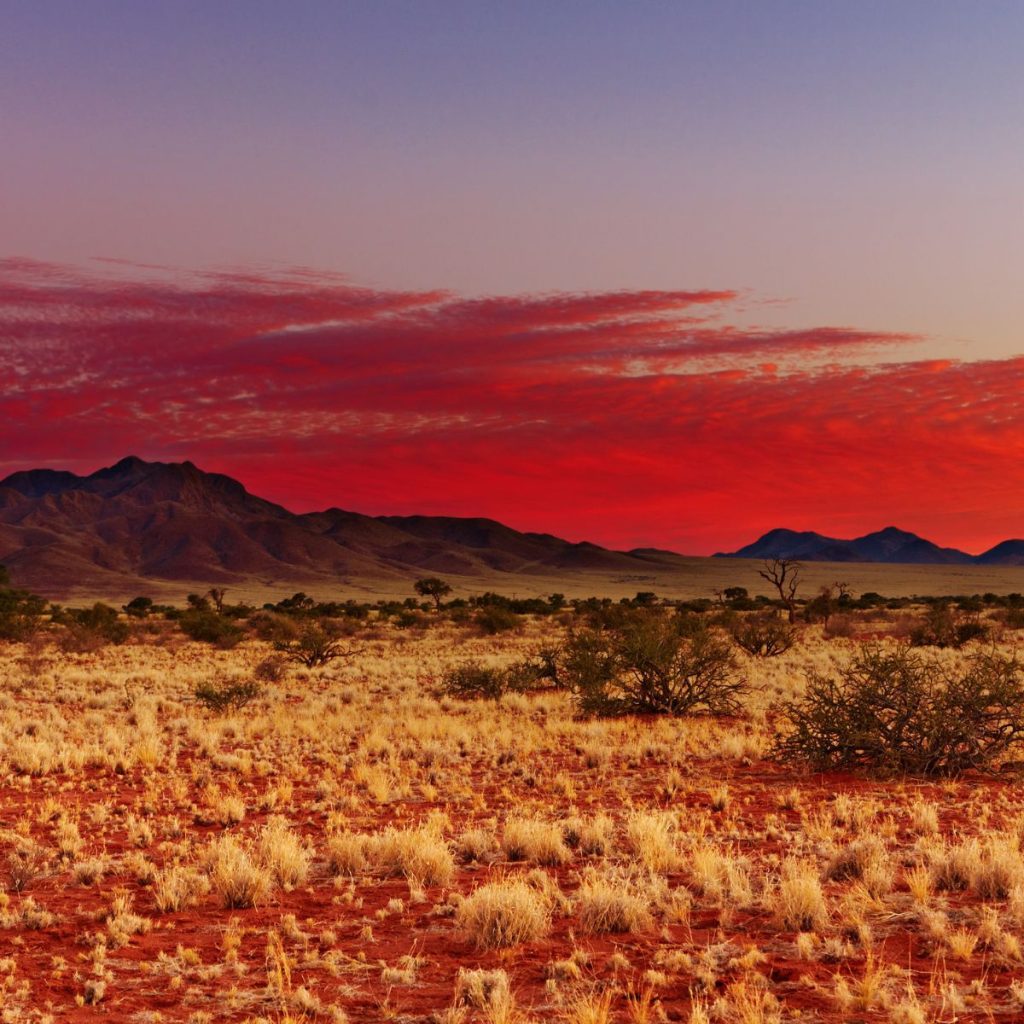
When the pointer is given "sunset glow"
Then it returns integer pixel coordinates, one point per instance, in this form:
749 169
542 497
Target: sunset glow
627 418
661 276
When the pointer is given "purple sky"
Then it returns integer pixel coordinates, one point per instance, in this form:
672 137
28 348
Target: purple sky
833 167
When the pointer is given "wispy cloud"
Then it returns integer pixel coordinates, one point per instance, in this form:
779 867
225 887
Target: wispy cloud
629 417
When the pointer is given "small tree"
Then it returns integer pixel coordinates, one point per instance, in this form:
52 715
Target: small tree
315 645
434 588
139 607
784 575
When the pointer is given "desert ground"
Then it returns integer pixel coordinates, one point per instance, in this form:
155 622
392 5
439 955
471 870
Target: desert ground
355 843
675 577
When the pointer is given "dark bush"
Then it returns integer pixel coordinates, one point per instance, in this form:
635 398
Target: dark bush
206 625
224 697
891 711
764 635
20 613
496 619
317 644
91 627
471 679
651 663
942 627
139 607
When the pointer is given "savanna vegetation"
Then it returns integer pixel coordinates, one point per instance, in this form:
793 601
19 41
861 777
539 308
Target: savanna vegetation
481 808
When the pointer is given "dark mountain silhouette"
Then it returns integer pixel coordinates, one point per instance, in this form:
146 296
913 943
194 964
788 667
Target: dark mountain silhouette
890 545
141 520
1009 552
138 521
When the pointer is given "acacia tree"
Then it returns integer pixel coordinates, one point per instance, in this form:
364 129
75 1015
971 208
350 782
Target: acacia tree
784 575
434 588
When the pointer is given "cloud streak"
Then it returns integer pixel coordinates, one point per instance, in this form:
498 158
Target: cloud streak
630 417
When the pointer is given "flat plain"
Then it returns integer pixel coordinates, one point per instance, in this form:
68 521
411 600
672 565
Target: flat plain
354 844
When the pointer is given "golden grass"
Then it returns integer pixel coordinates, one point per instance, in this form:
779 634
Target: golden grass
352 845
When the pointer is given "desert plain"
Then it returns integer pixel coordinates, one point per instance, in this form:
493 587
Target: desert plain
353 841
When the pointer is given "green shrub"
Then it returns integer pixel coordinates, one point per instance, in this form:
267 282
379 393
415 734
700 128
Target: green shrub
20 613
209 627
91 627
495 619
652 663
472 679
317 644
225 697
891 711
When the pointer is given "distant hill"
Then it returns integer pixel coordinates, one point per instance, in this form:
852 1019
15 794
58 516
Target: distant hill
141 520
136 522
891 546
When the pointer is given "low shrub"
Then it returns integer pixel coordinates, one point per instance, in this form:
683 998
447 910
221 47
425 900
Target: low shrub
891 711
503 914
942 627
224 697
472 679
764 635
210 627
496 619
317 644
651 663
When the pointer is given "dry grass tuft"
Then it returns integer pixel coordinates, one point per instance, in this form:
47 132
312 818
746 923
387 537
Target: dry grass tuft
503 914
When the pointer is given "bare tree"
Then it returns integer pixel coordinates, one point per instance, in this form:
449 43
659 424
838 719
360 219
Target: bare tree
216 595
784 575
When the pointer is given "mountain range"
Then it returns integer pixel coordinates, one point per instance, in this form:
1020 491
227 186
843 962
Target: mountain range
136 523
890 545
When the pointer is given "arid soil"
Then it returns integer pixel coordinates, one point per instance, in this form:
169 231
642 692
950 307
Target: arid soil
353 846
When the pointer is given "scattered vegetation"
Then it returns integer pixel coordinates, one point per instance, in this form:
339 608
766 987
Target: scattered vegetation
233 830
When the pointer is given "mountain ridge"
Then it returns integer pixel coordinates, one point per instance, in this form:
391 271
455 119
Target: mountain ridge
889 545
173 521
138 521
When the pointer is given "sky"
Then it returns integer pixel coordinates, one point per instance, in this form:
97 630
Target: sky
652 274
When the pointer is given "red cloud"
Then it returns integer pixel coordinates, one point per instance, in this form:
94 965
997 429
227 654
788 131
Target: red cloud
630 418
